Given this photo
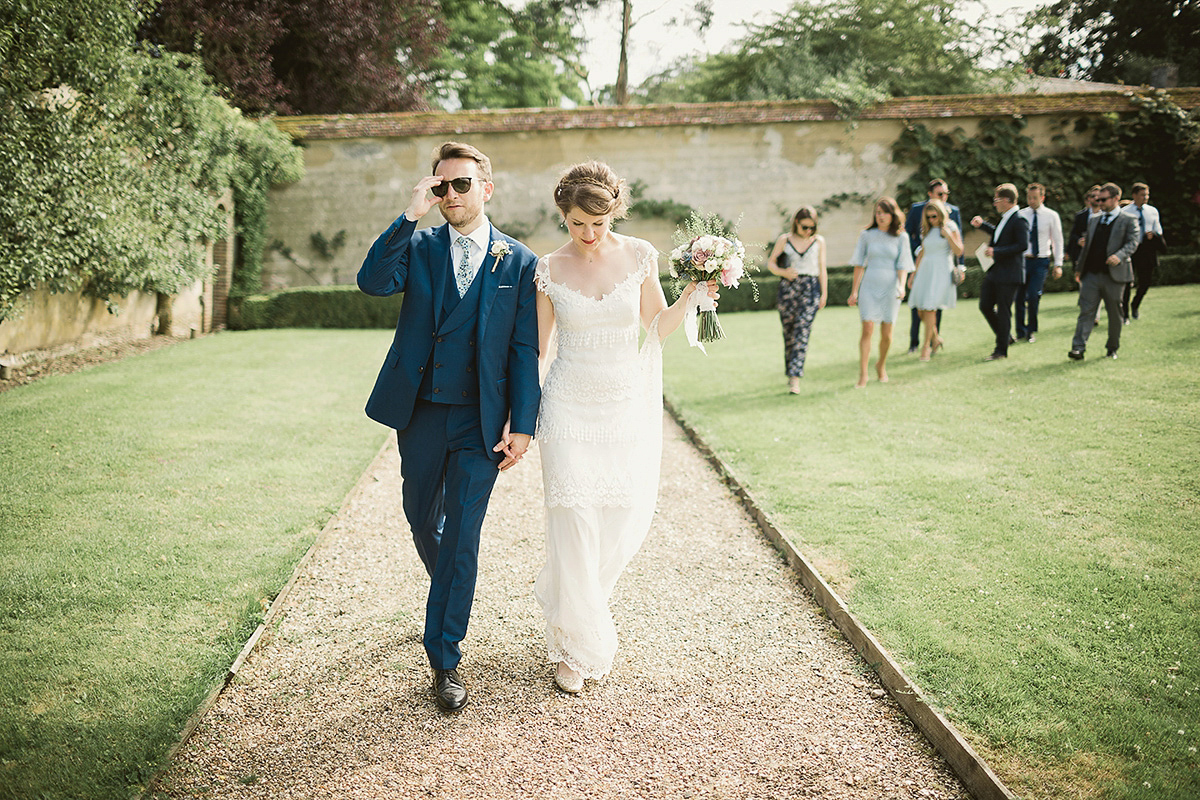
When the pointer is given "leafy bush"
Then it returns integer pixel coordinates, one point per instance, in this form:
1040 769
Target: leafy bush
115 155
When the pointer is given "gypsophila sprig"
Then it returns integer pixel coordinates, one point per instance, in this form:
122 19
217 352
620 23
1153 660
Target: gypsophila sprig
707 248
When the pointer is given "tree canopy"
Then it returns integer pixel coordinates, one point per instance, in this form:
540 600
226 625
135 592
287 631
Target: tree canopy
307 56
853 51
497 57
1118 40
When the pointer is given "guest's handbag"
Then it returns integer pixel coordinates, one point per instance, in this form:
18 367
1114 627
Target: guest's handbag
958 274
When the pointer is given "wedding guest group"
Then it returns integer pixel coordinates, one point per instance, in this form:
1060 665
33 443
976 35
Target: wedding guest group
1007 243
1145 257
1103 269
1045 247
937 189
882 260
798 258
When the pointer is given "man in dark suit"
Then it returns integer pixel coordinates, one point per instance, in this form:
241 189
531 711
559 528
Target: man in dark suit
1006 248
1103 269
460 382
1091 207
938 189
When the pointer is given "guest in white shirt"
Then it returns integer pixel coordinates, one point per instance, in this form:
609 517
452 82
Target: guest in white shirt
1045 243
1150 244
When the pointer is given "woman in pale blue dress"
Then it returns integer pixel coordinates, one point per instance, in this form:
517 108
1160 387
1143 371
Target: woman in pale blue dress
932 279
882 261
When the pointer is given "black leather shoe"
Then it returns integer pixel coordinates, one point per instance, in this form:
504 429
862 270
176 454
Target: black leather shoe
1075 355
448 690
995 357
1111 354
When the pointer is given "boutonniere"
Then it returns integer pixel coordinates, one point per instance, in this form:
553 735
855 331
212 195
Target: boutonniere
500 249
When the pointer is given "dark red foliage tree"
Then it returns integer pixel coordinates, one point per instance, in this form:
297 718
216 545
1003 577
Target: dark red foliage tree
307 56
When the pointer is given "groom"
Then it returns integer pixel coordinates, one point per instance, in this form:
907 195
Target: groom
460 382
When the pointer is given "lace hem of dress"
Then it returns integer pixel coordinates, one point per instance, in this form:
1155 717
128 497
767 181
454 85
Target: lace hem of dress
565 493
557 643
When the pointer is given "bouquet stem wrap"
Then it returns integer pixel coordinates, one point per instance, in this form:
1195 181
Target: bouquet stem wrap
700 323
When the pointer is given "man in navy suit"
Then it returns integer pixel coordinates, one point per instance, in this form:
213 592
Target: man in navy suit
937 190
459 384
1009 238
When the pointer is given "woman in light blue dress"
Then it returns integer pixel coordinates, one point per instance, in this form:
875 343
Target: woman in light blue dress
882 261
932 279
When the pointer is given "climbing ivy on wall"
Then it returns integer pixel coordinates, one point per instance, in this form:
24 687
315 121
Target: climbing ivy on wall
1156 143
114 156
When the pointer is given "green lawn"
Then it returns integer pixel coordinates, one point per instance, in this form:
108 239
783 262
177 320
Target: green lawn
1023 535
150 506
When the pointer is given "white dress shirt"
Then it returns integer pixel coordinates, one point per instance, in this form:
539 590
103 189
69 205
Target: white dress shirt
1050 234
1000 225
1150 217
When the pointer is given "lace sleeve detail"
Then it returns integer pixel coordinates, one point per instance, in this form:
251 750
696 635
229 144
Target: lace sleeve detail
647 259
541 275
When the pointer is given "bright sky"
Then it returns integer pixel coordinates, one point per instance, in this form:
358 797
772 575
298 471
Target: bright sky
654 44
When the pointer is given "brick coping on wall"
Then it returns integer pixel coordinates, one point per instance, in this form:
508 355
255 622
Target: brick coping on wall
358 126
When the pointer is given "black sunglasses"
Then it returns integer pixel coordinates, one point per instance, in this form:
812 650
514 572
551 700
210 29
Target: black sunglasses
808 227
461 186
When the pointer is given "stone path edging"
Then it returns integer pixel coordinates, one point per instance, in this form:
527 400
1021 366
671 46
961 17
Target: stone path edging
970 768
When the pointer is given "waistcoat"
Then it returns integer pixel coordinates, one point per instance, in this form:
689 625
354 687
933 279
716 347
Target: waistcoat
451 376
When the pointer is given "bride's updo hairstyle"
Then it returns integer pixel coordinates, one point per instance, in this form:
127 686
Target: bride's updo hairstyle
594 189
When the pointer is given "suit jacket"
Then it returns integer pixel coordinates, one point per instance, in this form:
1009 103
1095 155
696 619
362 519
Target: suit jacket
1078 228
912 225
417 263
1122 241
1008 251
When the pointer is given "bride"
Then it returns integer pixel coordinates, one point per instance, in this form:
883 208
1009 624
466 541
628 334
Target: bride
600 422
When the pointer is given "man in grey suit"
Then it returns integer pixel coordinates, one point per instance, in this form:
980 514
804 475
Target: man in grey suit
1103 269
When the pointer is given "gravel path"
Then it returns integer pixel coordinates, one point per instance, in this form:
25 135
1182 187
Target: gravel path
728 683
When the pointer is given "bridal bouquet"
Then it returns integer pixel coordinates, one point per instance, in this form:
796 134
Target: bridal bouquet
706 250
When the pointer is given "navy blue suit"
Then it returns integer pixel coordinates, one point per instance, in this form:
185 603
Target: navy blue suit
912 226
456 371
1004 279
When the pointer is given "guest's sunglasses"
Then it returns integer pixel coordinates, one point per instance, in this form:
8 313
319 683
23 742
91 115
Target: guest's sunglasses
808 227
461 186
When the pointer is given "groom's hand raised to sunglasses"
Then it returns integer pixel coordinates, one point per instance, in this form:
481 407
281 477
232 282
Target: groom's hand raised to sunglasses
422 200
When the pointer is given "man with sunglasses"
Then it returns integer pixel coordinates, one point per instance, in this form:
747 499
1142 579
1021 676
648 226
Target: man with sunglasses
460 382
938 189
1103 269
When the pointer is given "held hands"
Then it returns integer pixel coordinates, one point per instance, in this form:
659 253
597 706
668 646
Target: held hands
422 200
976 221
513 445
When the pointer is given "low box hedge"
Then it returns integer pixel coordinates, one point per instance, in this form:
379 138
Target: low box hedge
347 307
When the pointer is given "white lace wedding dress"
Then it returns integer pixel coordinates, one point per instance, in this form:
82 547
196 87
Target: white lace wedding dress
600 436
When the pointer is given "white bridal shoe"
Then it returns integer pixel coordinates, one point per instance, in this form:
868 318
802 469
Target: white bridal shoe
568 679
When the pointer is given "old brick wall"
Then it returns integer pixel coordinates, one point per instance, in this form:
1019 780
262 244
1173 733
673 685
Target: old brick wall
753 161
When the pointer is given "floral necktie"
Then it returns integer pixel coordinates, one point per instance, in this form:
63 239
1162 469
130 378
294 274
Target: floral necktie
462 274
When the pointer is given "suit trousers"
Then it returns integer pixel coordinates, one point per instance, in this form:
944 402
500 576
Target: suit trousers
995 302
1030 295
448 475
1094 288
1144 261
